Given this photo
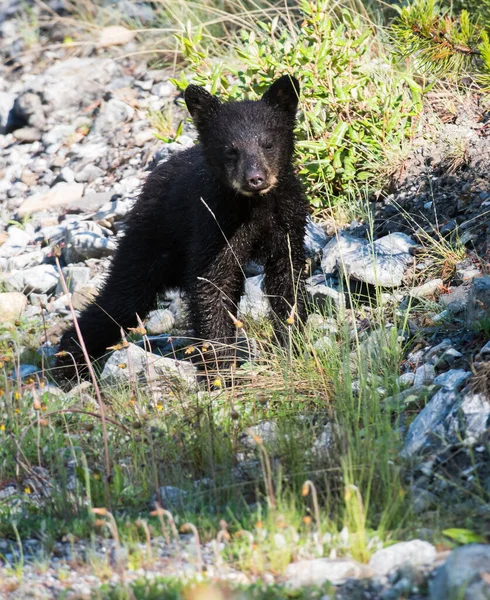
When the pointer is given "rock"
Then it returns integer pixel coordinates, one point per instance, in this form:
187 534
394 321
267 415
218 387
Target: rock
89 173
28 110
85 239
479 301
15 243
267 431
382 263
254 302
7 100
457 299
74 82
320 570
423 375
114 35
112 211
336 248
435 352
316 238
58 134
323 292
427 289
453 379
406 379
462 576
485 351
160 321
76 278
171 496
474 412
12 305
133 362
41 279
466 270
27 134
428 426
67 175
27 259
112 115
61 194
415 553
91 202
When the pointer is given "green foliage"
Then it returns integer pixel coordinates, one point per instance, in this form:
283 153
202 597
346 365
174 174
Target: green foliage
355 106
442 43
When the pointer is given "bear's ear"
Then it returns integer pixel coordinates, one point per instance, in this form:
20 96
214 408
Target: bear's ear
201 103
283 94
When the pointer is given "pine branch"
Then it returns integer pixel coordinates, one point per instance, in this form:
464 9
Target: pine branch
443 44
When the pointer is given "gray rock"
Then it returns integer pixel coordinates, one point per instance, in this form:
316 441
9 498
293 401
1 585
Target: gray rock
382 263
76 278
428 426
461 576
41 279
406 379
74 82
415 553
86 239
89 173
466 270
316 238
479 301
438 350
160 321
134 363
322 292
58 134
267 431
112 211
452 379
485 351
91 202
336 248
457 299
320 570
67 174
27 259
16 242
254 302
423 375
27 134
114 113
171 496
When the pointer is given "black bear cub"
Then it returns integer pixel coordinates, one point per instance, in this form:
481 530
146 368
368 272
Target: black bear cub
201 216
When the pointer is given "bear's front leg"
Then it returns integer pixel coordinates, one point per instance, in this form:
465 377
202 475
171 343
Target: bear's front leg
284 280
214 305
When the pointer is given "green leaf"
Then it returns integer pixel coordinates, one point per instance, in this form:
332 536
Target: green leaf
464 536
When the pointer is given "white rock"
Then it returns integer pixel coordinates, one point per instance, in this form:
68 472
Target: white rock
41 279
414 554
86 239
427 289
382 263
320 570
254 303
406 379
336 248
12 305
76 278
134 362
160 321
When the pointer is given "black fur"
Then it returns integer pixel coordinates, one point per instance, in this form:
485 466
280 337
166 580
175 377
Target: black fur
201 216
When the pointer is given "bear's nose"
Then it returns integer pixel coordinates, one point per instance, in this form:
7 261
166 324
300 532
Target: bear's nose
256 181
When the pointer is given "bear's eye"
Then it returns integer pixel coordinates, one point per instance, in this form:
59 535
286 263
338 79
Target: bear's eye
267 145
230 152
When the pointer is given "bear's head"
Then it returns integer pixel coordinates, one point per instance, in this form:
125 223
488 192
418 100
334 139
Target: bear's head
249 144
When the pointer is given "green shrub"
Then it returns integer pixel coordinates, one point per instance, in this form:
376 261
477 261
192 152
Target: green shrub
356 107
